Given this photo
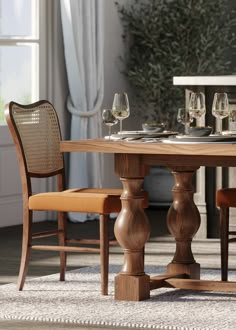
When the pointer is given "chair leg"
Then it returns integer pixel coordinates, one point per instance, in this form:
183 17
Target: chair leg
104 251
224 237
26 248
62 222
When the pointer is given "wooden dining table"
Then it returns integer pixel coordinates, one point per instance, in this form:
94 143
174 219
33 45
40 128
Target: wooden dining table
132 160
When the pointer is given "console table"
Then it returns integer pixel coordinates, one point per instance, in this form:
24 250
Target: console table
217 177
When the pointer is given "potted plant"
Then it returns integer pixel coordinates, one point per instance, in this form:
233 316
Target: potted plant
171 38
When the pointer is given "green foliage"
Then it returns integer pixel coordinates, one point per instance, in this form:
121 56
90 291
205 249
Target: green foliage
172 38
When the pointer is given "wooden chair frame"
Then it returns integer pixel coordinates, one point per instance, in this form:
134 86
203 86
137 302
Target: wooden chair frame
42 159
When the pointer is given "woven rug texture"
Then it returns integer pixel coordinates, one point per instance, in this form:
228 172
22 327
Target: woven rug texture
78 301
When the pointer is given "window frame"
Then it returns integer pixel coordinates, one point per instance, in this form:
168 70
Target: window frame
41 39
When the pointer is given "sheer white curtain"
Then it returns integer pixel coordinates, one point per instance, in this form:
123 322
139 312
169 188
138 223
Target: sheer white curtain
83 34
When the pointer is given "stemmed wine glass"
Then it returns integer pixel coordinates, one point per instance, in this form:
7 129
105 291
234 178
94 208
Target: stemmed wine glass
220 108
184 118
120 107
109 120
197 107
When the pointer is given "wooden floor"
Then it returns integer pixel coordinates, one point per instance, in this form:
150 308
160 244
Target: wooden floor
159 251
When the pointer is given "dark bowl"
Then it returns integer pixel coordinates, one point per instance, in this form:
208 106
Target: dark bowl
153 127
200 131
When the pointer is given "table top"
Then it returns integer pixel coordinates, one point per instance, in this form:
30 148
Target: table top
135 147
215 154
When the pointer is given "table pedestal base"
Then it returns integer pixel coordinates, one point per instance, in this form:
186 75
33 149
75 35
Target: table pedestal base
132 288
192 270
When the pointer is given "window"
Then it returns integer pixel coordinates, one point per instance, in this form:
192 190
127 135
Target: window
19 52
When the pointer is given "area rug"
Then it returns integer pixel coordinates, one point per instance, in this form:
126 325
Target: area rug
78 301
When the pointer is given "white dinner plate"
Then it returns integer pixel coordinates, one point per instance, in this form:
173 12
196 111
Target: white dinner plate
201 139
140 134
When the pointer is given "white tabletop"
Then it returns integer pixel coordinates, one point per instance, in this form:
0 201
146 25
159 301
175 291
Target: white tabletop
227 80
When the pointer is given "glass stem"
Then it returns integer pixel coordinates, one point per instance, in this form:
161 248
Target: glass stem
186 128
220 126
120 125
109 132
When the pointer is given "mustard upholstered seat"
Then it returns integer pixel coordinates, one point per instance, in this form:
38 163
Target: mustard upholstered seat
36 133
96 200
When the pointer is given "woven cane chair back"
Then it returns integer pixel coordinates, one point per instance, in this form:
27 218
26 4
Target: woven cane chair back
39 134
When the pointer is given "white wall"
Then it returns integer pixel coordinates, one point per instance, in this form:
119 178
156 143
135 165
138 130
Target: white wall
114 79
57 79
114 48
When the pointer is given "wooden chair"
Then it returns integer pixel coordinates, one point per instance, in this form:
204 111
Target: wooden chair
225 199
36 133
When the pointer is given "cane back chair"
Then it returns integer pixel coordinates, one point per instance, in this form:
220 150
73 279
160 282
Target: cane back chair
225 199
36 133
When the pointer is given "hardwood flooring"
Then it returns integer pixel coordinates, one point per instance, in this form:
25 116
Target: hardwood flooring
159 251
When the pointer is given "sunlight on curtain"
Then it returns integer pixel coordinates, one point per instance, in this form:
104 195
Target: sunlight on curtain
83 33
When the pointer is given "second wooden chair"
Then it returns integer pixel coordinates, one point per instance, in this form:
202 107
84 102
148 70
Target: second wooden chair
225 199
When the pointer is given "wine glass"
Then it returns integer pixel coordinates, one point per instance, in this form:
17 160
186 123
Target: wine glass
184 118
220 108
109 120
120 107
197 107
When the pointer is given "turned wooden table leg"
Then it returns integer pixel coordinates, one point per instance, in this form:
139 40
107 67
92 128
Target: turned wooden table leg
132 230
183 221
